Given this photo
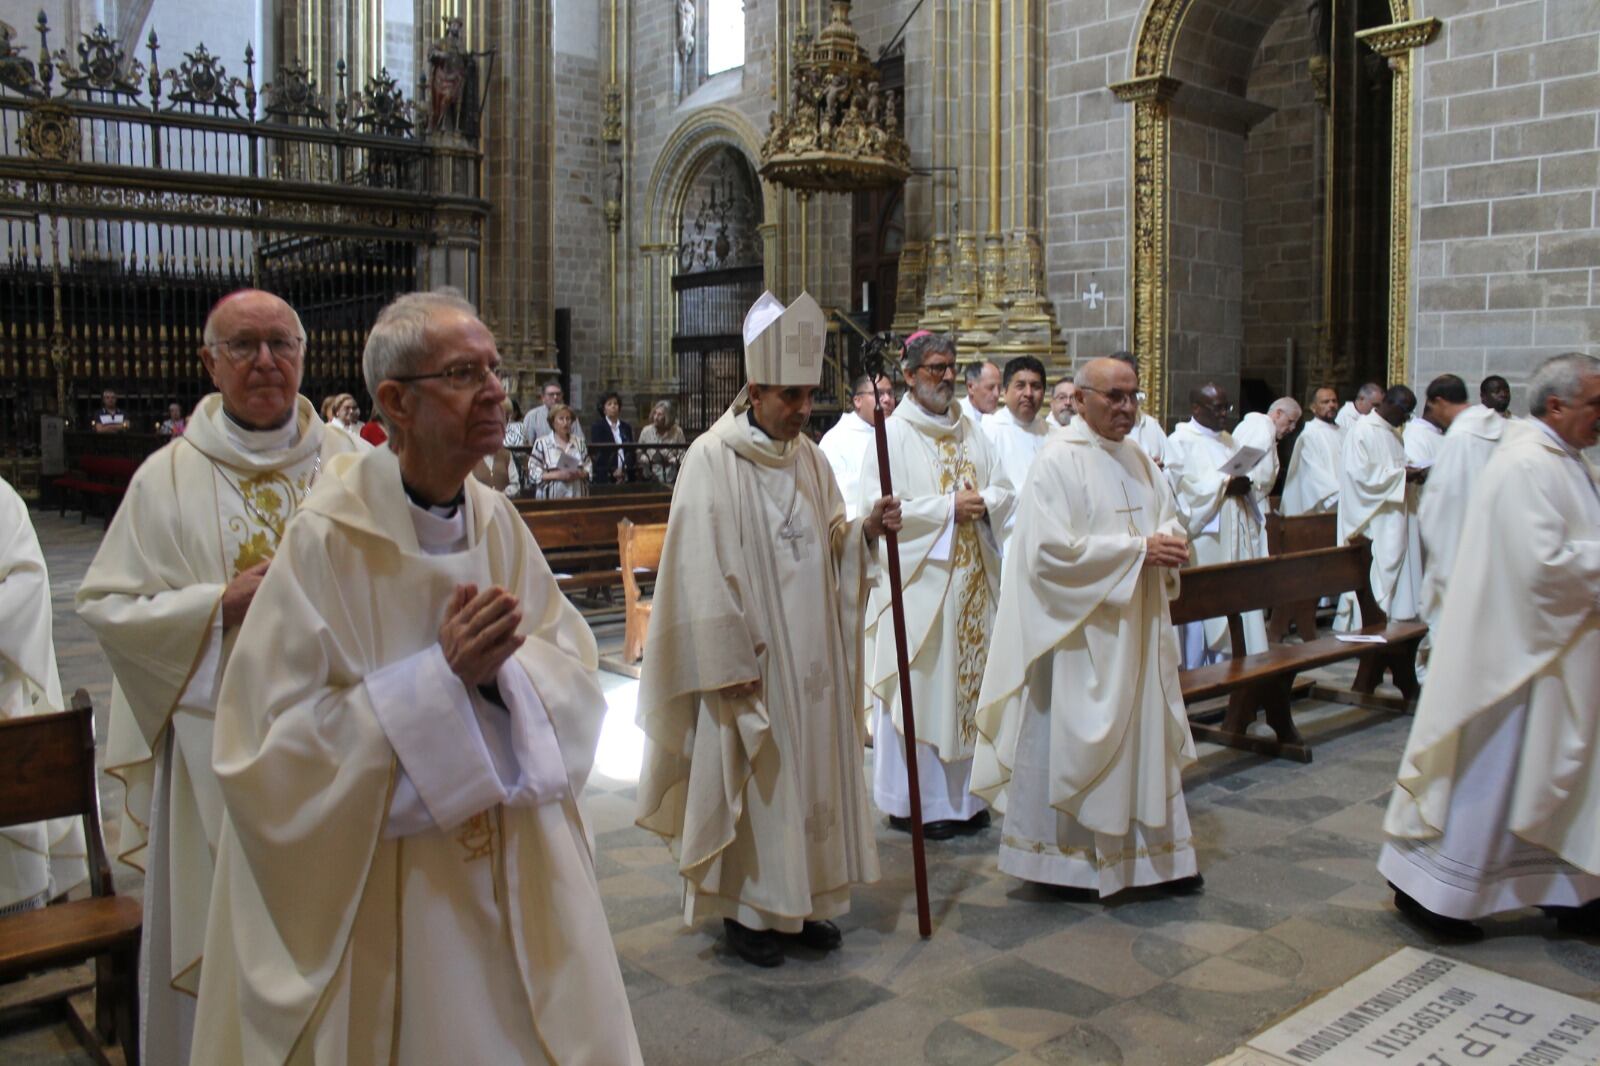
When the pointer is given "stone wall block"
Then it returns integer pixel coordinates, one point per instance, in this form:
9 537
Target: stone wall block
1492 255
1549 288
1563 251
1571 327
1453 294
1491 180
1573 133
1455 221
1493 108
1488 329
1580 170
1499 27
1540 214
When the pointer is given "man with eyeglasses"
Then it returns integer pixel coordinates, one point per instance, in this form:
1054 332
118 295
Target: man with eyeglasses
1374 476
169 588
846 445
954 499
405 726
536 423
1147 432
1061 402
1221 514
1081 719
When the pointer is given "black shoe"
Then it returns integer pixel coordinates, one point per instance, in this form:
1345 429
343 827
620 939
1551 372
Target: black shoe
976 824
758 947
900 824
942 830
1577 921
1071 894
1184 886
1438 924
822 936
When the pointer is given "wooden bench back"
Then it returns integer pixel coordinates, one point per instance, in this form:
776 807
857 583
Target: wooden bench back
47 771
638 548
1301 533
594 526
1255 584
614 496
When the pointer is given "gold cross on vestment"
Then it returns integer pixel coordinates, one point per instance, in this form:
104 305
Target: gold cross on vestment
816 685
1130 511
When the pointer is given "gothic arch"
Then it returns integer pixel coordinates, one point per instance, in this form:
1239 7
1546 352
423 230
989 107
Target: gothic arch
1160 60
704 131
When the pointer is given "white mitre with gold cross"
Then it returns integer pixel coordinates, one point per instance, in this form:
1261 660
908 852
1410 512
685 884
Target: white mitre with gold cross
784 346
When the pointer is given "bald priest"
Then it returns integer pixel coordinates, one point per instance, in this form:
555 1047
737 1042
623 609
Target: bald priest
405 725
1082 731
750 693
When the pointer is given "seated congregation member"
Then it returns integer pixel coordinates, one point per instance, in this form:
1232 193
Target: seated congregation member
174 579
661 464
408 719
615 464
749 696
559 465
1083 732
1498 793
498 469
173 424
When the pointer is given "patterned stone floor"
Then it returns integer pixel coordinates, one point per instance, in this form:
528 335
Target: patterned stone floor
1293 907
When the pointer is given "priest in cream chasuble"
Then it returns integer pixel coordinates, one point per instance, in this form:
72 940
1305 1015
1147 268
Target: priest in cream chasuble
954 500
41 860
403 733
1222 515
750 690
1374 479
1312 484
1498 794
166 593
1082 729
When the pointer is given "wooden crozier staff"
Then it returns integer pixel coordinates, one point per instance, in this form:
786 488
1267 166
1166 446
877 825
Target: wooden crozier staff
897 609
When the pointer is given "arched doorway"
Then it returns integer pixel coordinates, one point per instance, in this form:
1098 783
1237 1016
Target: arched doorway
717 276
1194 118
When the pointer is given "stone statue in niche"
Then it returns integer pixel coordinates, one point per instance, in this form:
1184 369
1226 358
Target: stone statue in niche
688 16
452 83
613 179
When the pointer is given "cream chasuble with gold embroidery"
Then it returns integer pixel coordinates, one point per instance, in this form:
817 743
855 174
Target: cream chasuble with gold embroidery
1083 729
950 574
210 504
43 859
762 798
452 913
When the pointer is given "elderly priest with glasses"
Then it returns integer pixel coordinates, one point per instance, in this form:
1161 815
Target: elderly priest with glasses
405 726
750 692
174 579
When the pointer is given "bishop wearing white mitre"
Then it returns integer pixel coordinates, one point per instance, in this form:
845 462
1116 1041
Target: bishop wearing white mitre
1373 481
1221 514
750 693
41 860
954 499
1498 794
405 726
166 594
1083 733
1312 484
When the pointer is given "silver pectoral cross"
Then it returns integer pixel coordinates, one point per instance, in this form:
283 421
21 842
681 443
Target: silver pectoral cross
795 537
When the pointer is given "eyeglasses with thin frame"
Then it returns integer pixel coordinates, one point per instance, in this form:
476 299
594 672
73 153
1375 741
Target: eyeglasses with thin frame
938 370
244 349
462 377
1114 397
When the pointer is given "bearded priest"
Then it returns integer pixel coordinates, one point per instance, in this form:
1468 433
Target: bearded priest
956 500
749 693
1083 731
403 732
173 581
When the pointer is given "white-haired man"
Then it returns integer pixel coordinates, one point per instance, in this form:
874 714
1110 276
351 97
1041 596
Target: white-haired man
167 592
1083 731
1498 793
750 695
955 499
1353 411
413 676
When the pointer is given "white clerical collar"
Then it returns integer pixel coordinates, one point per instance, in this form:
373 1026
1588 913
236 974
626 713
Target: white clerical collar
1204 432
951 416
437 533
278 439
860 425
1569 449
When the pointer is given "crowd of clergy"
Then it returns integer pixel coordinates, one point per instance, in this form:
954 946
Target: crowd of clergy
353 712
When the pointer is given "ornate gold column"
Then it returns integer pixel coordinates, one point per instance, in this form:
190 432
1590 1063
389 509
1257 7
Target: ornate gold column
1394 43
517 141
614 174
1150 96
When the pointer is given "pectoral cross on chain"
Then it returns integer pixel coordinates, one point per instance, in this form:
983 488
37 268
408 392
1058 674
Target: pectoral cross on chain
1130 511
794 535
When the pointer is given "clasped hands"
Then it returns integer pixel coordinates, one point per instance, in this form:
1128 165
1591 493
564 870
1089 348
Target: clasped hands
480 632
1163 549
